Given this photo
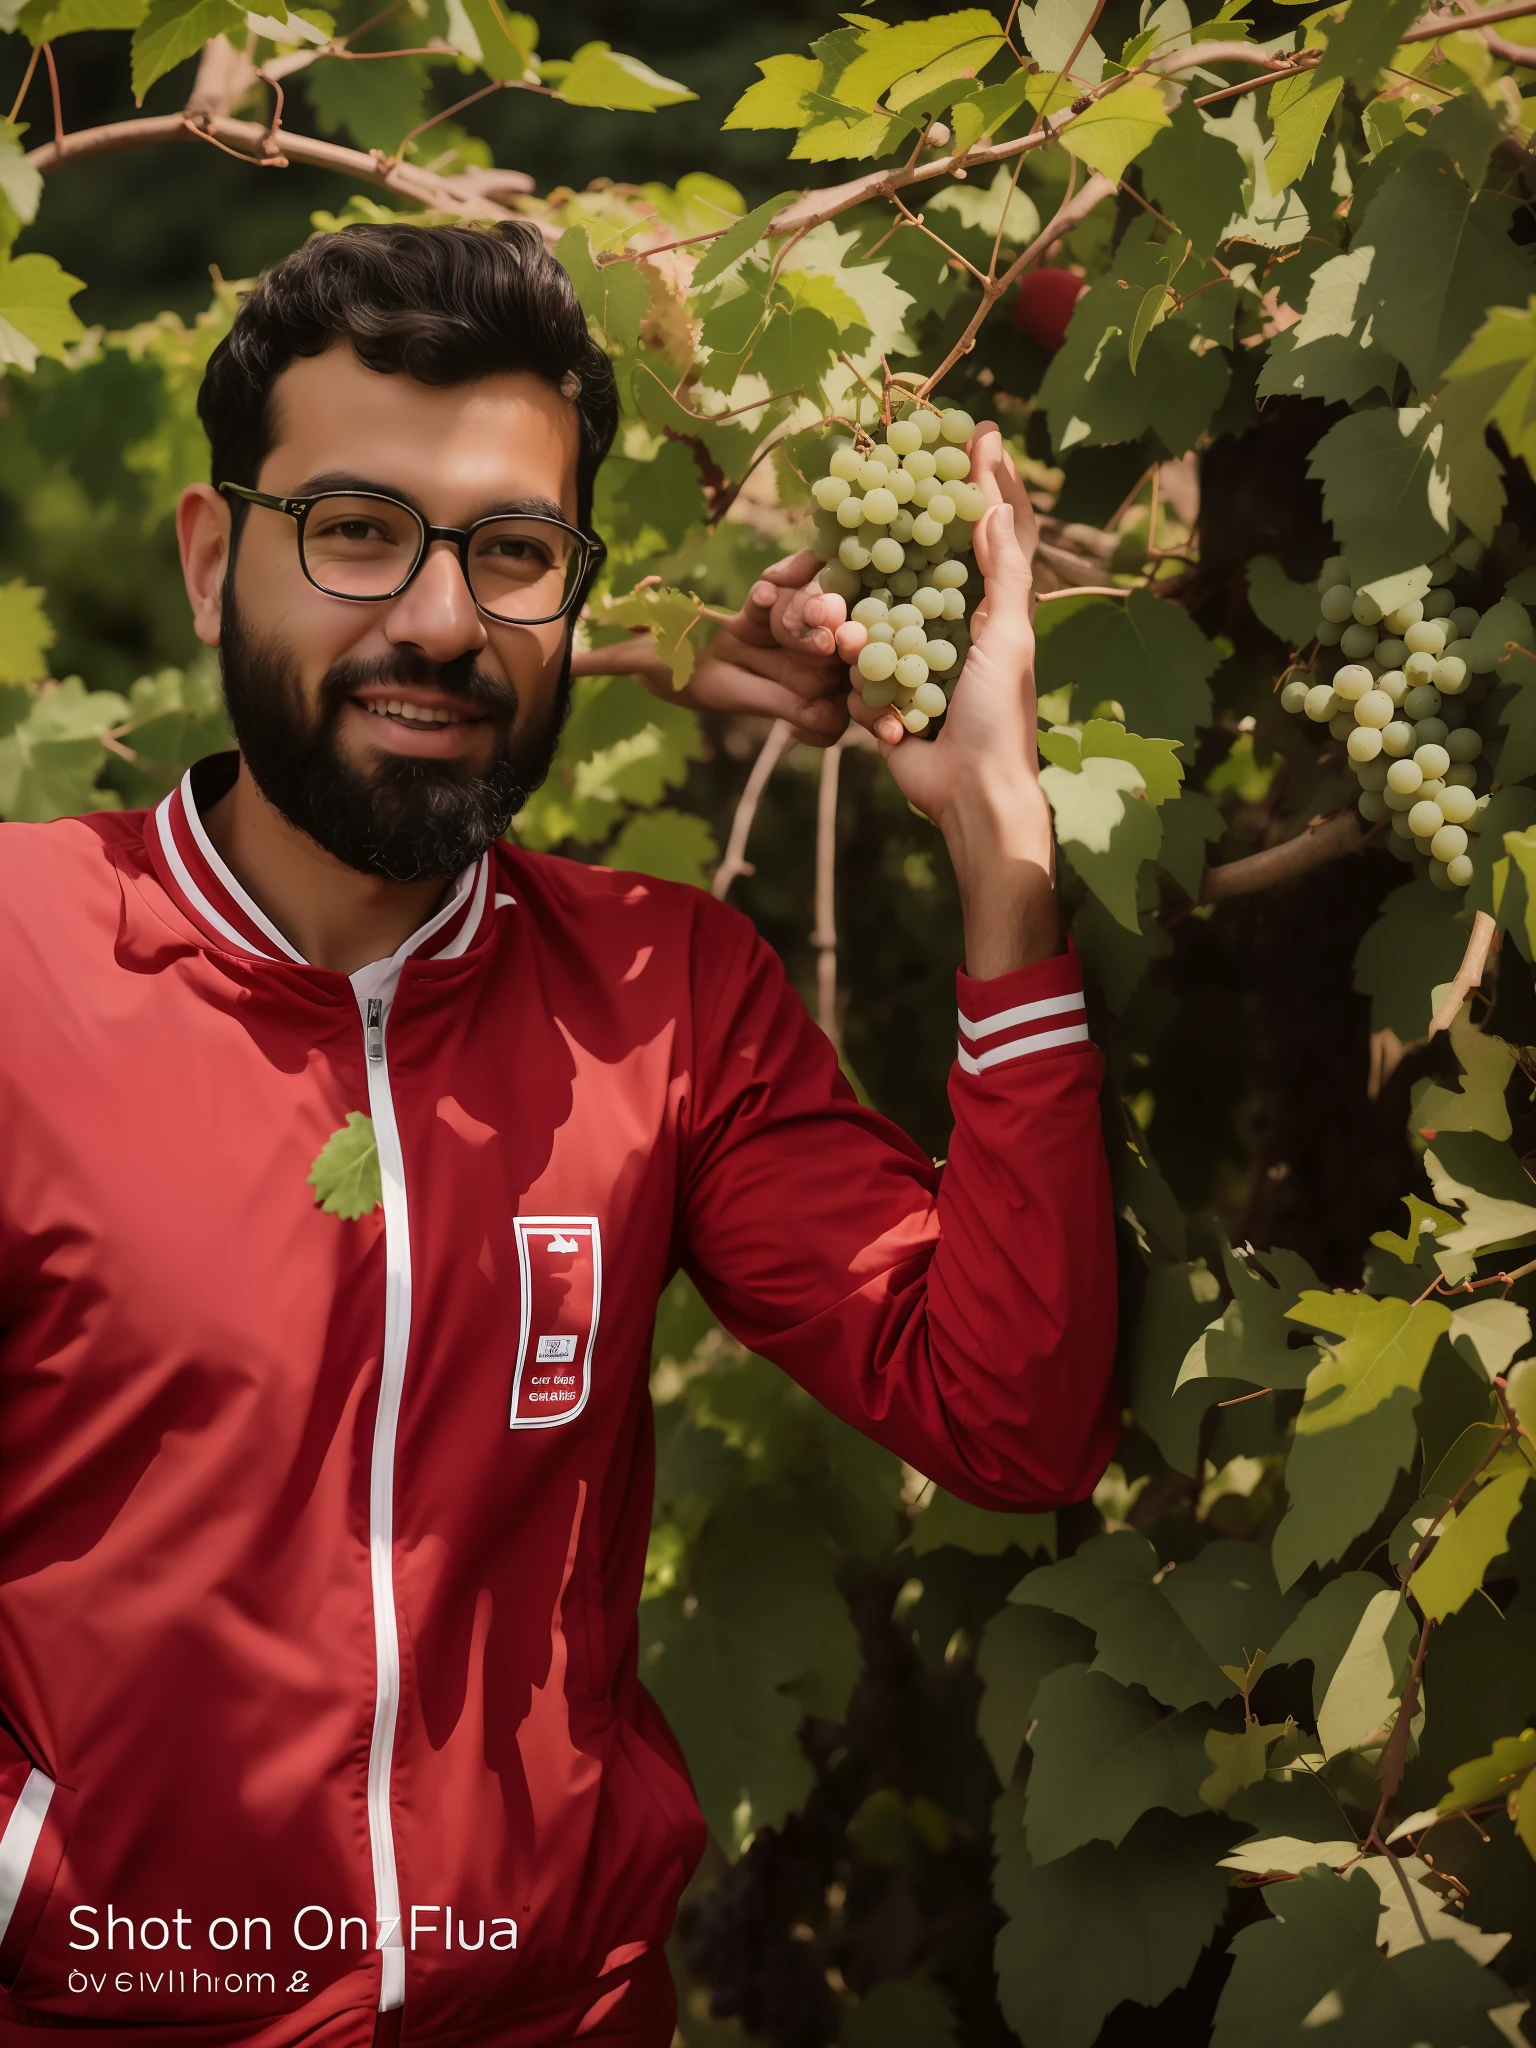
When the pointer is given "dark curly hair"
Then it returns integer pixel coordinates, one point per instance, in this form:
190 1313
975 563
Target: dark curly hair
443 305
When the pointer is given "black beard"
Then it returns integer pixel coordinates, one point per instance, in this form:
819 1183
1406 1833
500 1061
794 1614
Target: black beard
407 820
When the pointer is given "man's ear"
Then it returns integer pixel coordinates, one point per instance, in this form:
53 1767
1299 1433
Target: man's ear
202 534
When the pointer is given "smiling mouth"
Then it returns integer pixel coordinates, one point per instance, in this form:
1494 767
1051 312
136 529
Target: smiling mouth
418 714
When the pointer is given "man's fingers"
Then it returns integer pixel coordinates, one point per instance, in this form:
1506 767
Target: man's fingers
852 639
812 708
1006 567
885 725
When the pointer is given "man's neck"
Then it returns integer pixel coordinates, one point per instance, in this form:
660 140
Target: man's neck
332 914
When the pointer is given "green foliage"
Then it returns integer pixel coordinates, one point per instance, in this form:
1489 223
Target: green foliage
1193 1682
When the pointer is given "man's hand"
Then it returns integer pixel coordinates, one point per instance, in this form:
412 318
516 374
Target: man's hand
978 778
767 660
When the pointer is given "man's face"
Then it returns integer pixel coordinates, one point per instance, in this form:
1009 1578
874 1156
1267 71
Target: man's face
310 679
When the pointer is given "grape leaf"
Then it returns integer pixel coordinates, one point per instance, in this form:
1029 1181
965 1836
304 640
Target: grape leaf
1381 492
672 617
1324 1629
1189 826
600 76
1103 1755
1326 354
614 296
1112 133
1240 1760
1317 1975
723 254
1467 1545
1477 1102
1253 1338
673 845
621 746
1493 380
1443 254
35 315
44 21
1176 1303
778 98
913 2012
1491 1332
26 633
1288 609
1469 129
1298 113
21 183
1052 29
1195 176
1106 828
345 1175
1422 1216
982 1531
1414 947
1359 41
989 111
1363 1692
49 762
1486 1778
1103 1925
885 56
1338 1482
1485 1180
376 104
1140 652
1020 1647
766 1616
171 31
507 43
1384 1345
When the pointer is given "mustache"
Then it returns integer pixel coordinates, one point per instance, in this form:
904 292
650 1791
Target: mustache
461 677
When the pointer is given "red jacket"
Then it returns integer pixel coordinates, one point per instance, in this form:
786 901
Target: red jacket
321 1541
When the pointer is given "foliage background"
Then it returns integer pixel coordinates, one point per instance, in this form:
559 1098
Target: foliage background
971 1777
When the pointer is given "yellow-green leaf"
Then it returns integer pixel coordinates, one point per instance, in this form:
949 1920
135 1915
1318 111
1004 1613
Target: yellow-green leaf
1454 1569
25 633
600 76
778 98
1238 1761
1386 1345
1495 1776
1298 119
35 315
171 31
345 1175
1116 129
670 616
893 55
1422 1217
1478 1104
507 41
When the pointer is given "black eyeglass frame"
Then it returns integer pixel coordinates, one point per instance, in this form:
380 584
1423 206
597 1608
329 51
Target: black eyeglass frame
593 552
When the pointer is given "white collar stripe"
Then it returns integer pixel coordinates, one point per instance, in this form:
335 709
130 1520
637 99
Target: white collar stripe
226 879
193 894
1016 1048
1024 1013
460 941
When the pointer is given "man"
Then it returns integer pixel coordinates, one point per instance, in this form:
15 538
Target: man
323 1526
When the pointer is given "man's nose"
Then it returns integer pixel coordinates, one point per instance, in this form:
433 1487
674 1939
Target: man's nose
436 614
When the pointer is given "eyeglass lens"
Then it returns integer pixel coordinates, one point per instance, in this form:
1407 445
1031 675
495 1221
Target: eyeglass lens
520 568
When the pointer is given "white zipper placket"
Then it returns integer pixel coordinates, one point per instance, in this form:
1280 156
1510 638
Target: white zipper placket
374 987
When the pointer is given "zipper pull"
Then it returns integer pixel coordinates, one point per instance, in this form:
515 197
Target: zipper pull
375 1029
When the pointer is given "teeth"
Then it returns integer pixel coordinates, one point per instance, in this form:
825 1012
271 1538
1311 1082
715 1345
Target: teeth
415 714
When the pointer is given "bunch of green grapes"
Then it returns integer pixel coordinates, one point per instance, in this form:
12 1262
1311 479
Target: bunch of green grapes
894 521
1399 699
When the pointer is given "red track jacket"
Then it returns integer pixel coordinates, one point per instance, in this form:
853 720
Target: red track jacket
321 1541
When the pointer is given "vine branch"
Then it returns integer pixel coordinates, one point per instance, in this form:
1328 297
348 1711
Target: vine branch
824 937
1326 839
1469 974
734 861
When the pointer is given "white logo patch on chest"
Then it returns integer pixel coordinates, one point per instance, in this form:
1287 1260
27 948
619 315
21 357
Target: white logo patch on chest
560 1267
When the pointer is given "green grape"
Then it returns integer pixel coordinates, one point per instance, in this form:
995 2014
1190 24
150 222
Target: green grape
914 720
911 669
951 464
1397 738
1432 759
1451 675
1363 744
869 611
1467 553
969 501
929 602
878 696
1374 708
905 436
1420 668
926 531
1334 571
1366 611
1395 800
919 466
880 507
940 508
1464 621
883 631
1440 603
1448 842
1440 876
1358 641
830 491
887 555
1428 637
1328 634
1293 697
1457 804
956 426
900 528
1404 616
1433 789
1459 871
1441 569
1425 819
904 582
901 486
1401 829
1352 681
853 554
954 604
1342 724
930 698
1338 604
846 462
1321 703
1422 701
1371 774
1389 654
928 427
850 513
911 640
877 662
1464 744
1371 807
940 655
1405 777
1395 683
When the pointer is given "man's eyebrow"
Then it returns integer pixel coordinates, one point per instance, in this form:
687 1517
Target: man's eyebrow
348 480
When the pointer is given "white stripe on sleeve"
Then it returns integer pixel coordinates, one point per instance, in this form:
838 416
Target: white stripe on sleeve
1024 1013
1016 1048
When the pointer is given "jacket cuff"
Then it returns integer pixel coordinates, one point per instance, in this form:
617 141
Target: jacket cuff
1014 1016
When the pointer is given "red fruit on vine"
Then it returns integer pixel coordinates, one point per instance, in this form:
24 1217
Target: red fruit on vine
1044 305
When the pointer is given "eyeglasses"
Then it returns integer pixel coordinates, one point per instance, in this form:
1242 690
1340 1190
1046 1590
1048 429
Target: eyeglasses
522 569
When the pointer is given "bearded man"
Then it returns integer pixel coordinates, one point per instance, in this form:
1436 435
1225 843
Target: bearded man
323 1533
